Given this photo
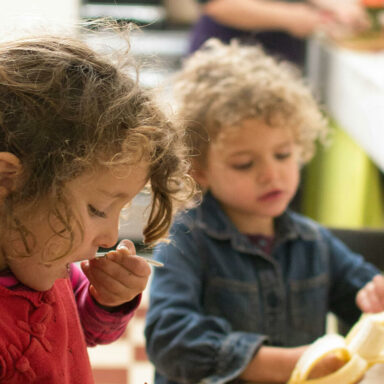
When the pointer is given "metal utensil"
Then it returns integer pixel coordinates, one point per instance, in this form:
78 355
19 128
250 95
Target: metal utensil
155 263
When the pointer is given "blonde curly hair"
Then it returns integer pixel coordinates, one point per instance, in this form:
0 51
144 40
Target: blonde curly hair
66 109
222 85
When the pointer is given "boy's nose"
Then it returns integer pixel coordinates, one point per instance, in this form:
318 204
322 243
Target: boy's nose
267 173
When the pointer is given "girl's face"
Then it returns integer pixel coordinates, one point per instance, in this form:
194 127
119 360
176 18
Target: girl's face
253 171
96 201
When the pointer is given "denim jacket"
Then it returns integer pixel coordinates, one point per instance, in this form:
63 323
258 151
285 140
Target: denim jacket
219 297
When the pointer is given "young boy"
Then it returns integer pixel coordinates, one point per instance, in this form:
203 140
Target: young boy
247 283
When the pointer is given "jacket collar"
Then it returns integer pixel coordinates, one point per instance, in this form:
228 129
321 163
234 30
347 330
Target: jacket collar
216 224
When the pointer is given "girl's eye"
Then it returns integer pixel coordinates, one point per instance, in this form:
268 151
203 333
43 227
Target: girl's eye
282 156
95 212
243 166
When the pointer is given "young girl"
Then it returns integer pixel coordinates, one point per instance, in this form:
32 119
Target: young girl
78 140
247 283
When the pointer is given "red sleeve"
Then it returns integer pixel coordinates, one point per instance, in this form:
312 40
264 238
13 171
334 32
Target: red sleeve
100 326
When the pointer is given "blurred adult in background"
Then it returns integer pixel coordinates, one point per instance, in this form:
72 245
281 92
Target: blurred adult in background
281 27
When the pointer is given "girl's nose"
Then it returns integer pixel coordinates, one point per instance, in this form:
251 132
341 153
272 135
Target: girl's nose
109 234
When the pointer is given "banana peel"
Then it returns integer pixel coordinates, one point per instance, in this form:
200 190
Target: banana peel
360 349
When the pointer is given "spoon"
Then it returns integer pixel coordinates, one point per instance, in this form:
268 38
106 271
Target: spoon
100 255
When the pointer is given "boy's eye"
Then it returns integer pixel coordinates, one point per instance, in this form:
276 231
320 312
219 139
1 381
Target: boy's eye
282 156
95 212
243 166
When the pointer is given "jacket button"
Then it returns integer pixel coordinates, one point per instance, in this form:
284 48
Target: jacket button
22 365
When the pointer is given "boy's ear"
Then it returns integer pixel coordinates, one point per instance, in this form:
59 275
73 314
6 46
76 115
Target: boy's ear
10 168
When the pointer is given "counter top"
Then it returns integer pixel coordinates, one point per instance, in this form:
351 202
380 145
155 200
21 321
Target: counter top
351 85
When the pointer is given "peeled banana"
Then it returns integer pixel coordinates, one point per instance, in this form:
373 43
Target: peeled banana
360 349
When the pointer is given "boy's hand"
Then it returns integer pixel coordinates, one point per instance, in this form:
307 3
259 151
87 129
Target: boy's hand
329 364
117 278
370 298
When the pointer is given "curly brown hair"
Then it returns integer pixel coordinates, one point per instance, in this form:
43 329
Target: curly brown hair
62 105
222 85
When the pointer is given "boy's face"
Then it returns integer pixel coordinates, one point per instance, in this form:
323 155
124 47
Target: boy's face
96 200
253 170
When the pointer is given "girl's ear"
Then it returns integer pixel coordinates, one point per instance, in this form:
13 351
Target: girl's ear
199 176
10 168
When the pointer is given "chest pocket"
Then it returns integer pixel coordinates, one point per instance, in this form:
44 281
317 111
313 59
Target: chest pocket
309 303
236 301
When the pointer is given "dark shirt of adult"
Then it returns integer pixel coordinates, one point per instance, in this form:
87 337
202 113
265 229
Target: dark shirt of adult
281 27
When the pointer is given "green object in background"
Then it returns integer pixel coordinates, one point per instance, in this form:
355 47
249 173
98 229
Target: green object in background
342 186
374 15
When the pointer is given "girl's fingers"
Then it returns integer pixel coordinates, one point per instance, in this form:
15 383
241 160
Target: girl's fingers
111 274
128 245
106 297
111 291
122 267
135 264
118 277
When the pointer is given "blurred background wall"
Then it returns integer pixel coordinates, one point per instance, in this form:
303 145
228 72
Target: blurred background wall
342 186
20 14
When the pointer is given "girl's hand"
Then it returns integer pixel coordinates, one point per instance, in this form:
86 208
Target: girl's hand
118 277
370 298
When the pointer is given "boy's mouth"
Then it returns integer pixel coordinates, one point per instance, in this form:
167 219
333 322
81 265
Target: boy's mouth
271 195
